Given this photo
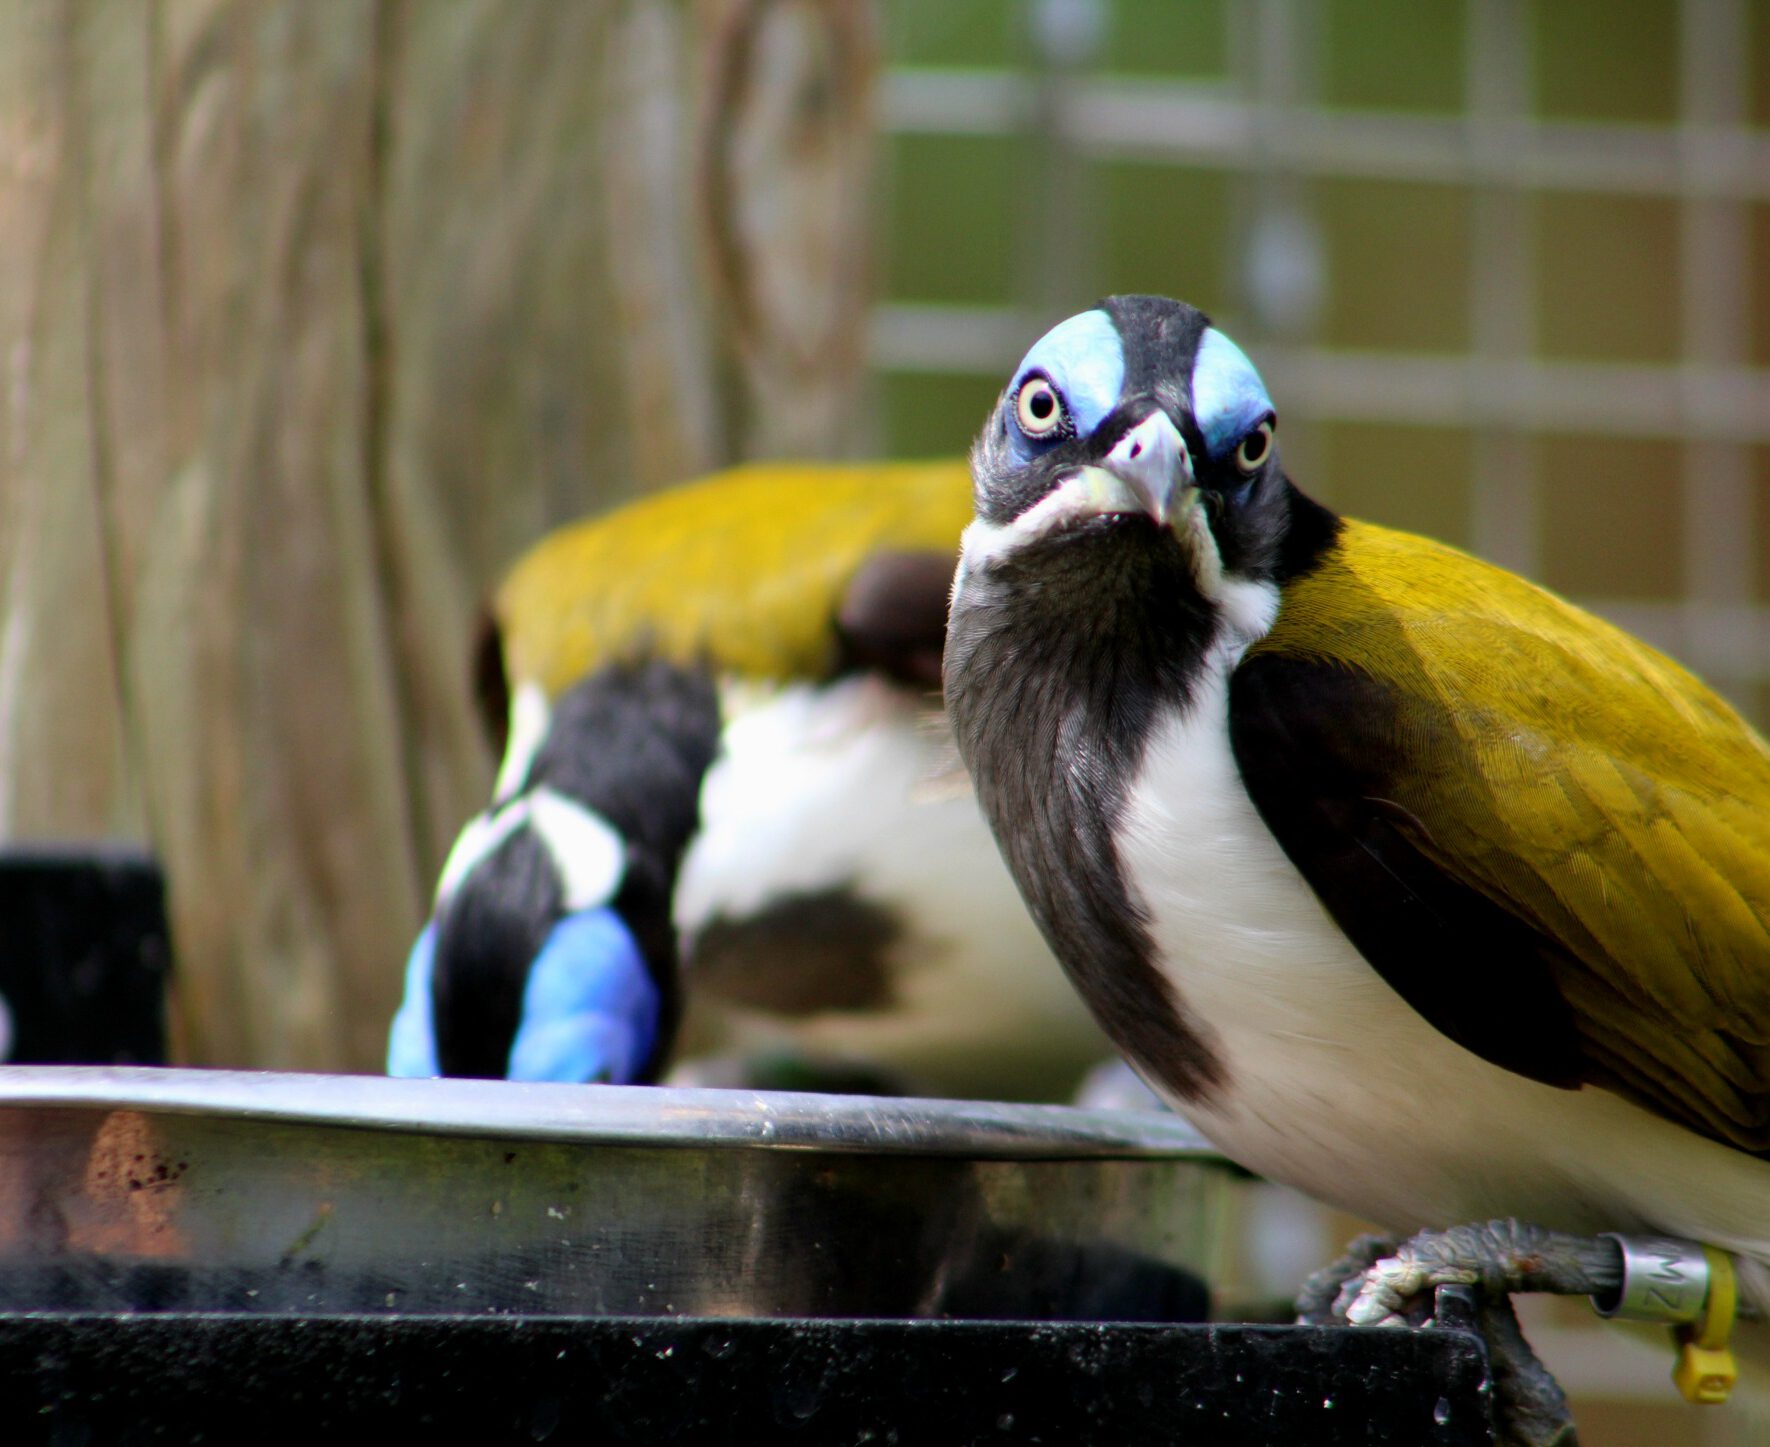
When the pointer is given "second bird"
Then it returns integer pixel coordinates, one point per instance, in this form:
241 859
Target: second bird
727 786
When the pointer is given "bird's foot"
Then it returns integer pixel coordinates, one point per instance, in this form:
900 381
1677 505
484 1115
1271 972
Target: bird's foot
1380 1282
1530 1409
1497 1257
1322 1299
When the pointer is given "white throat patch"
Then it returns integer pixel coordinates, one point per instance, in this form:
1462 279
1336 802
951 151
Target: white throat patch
588 856
1249 607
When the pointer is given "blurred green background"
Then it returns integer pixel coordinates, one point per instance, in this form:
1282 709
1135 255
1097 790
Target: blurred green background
1327 195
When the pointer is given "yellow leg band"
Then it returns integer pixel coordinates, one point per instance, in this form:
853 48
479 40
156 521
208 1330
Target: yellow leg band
1705 1371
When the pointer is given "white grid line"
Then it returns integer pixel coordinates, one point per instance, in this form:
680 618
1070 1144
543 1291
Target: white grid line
1725 404
1505 502
1714 278
1205 124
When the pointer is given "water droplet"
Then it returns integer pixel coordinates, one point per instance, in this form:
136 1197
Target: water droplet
1441 1413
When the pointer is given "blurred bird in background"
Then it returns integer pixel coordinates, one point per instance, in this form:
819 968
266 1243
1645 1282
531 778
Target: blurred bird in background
727 790
1414 886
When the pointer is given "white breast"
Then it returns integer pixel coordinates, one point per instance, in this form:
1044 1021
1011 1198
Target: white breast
1336 1085
854 785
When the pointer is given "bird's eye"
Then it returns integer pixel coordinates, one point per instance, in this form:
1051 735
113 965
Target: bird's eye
1038 409
1255 448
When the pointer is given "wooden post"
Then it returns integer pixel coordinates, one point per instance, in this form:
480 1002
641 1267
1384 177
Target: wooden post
312 314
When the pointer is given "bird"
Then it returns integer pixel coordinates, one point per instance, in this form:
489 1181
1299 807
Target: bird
1411 884
729 841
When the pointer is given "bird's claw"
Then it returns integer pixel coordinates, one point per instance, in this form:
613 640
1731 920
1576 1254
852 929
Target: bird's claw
1499 1258
1383 1295
1382 1283
1322 1299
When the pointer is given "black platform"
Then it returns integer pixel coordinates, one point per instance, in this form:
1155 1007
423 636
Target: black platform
224 1378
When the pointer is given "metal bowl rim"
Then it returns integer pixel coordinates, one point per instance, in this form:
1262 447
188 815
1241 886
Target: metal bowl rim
645 1116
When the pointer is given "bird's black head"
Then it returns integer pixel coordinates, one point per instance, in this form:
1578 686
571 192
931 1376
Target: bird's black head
1136 415
1133 534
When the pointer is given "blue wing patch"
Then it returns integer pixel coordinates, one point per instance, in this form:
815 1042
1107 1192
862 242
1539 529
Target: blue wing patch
590 1009
1085 360
411 1043
1228 397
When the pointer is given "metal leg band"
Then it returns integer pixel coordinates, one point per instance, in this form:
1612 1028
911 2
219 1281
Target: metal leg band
1663 1279
1691 1287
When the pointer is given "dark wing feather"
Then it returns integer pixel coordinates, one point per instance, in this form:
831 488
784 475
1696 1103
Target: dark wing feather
893 615
1549 839
1317 745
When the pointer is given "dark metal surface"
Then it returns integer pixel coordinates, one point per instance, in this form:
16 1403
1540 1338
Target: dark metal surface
86 954
199 1191
688 1383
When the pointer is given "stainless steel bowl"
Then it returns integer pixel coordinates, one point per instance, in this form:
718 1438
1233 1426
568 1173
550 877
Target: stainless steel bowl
142 1190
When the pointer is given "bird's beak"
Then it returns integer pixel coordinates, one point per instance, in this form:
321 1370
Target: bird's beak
1146 472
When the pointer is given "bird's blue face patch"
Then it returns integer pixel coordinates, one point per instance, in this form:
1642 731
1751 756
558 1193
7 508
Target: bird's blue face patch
1228 397
411 1043
590 1009
1085 361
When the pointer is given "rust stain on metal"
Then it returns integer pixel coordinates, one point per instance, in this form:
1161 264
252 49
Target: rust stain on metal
132 1191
